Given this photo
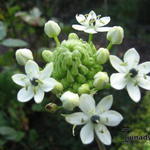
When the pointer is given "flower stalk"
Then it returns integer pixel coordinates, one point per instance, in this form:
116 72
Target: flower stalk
57 41
109 46
90 38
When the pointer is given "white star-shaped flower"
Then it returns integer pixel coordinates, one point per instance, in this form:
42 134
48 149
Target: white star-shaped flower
132 75
91 23
35 82
94 118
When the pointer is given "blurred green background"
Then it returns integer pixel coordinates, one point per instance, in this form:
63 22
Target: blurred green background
28 126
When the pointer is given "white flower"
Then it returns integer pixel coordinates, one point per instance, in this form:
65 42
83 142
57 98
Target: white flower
70 100
131 74
94 118
35 82
91 23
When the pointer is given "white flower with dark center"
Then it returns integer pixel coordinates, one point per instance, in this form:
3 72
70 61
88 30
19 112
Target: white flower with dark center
35 82
132 75
95 118
91 23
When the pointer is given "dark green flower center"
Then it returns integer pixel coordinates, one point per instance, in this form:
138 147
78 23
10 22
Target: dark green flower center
34 82
95 119
92 22
133 73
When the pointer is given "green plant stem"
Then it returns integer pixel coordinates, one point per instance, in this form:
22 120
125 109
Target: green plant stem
57 40
100 145
109 46
90 38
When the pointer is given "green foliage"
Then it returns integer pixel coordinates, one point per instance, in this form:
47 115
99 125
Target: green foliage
9 42
2 30
14 43
137 122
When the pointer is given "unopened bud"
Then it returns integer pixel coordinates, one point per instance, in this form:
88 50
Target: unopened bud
52 29
47 55
70 100
52 107
84 88
58 88
23 55
101 80
115 35
102 56
73 36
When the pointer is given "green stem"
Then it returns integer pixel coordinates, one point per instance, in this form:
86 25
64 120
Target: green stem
109 46
100 145
90 38
57 40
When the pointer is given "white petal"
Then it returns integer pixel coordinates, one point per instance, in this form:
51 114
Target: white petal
47 71
87 134
48 84
117 63
81 19
87 103
77 118
144 82
118 80
103 29
20 79
134 92
39 95
90 30
144 67
25 94
32 69
105 104
103 134
103 21
111 118
78 27
132 58
91 15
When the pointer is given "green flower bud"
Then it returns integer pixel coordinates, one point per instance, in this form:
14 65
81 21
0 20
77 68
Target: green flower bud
70 100
52 107
52 29
74 69
70 78
76 86
102 55
58 88
115 35
84 88
73 36
83 69
81 78
23 55
101 79
47 55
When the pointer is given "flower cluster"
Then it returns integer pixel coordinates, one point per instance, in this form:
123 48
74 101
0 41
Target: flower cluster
75 71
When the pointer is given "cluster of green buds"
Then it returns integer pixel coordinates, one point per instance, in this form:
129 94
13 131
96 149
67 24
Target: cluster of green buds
75 63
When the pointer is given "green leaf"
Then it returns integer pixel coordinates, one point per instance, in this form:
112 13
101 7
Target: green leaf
3 31
11 134
5 131
2 142
37 107
14 43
